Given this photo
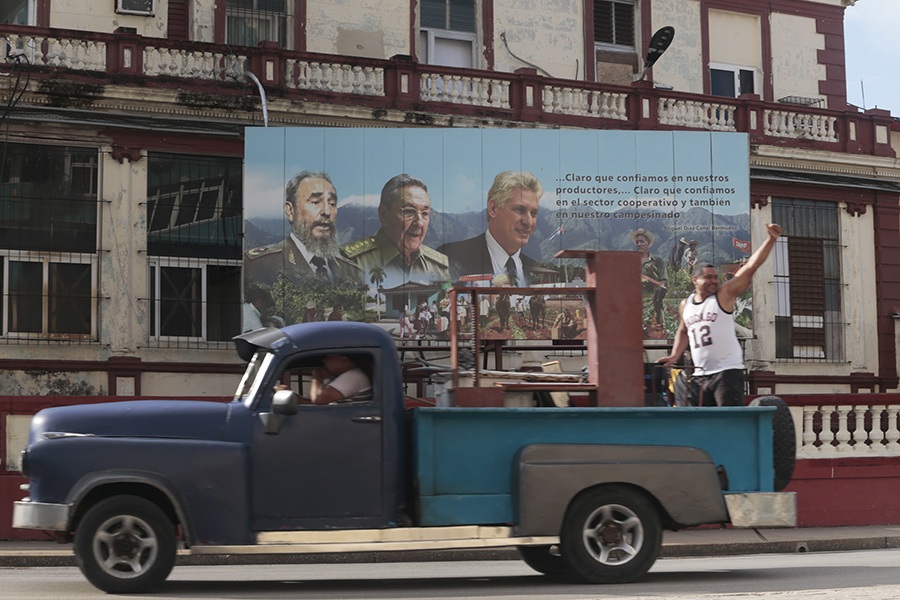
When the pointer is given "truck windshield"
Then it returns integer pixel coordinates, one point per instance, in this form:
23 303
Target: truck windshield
253 378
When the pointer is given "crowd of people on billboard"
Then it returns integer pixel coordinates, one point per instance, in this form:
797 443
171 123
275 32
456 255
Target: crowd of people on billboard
393 277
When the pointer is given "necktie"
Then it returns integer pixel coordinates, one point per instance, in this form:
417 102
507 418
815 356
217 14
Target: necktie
511 272
321 270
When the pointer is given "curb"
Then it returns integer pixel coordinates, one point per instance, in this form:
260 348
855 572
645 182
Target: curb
23 556
779 547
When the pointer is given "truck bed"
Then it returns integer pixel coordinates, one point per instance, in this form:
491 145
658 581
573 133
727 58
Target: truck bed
465 459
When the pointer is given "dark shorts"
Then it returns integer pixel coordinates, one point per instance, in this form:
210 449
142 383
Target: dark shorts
725 388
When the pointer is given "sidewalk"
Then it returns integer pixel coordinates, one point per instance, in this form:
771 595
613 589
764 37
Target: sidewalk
687 543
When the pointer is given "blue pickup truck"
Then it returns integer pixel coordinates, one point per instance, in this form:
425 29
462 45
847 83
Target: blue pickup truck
583 493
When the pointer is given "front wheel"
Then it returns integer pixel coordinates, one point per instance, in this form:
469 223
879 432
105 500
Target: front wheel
611 535
125 545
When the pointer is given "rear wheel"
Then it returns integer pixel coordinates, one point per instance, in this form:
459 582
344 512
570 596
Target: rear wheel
611 535
545 559
125 545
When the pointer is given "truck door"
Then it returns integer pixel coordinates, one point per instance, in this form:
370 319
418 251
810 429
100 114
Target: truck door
324 468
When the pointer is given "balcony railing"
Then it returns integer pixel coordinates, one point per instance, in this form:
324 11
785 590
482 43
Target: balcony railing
846 425
400 84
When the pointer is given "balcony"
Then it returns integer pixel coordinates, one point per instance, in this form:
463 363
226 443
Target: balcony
422 90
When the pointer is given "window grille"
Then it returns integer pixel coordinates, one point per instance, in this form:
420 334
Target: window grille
249 22
194 303
808 314
49 211
194 239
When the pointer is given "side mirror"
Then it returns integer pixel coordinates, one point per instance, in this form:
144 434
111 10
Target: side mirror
284 404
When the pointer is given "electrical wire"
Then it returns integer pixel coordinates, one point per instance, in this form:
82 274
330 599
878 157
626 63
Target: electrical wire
506 44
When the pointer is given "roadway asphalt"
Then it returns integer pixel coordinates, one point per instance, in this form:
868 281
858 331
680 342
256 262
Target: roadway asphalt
705 541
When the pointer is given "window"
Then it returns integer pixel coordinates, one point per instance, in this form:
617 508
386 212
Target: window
614 23
301 372
808 324
248 22
194 231
194 206
48 252
195 300
725 80
17 12
447 33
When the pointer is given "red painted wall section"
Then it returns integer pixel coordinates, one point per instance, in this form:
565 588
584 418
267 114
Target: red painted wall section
9 493
847 492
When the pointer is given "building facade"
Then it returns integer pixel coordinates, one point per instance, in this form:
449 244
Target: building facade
121 227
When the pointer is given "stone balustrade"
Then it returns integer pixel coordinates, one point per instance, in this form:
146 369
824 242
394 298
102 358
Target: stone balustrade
404 85
334 77
846 425
697 114
847 430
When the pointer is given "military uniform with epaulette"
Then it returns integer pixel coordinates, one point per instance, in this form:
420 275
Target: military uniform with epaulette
263 264
428 265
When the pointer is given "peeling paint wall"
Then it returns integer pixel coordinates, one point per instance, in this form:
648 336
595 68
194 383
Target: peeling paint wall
858 280
189 384
681 67
102 17
549 34
795 46
202 20
857 238
52 383
123 269
16 427
370 28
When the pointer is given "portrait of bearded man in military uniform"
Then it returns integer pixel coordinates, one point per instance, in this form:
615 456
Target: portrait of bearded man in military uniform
311 250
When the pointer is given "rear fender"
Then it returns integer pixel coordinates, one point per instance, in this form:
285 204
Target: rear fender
682 480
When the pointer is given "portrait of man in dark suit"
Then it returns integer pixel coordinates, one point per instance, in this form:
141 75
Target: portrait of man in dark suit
512 209
311 250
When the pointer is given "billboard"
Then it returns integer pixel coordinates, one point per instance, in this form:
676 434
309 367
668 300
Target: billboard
377 224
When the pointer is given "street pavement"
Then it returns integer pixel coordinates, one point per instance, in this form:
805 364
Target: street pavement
703 541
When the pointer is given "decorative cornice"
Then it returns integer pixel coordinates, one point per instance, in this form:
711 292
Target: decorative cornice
860 165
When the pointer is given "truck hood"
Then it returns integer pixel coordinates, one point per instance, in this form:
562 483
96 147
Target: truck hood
182 419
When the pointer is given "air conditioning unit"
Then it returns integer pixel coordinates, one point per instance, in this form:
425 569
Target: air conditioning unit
135 7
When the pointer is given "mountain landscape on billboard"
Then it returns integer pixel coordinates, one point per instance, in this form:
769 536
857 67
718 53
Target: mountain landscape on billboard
356 221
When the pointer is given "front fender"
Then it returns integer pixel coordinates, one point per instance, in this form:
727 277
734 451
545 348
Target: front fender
682 480
206 482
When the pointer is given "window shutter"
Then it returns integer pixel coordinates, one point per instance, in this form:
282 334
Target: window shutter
807 291
178 20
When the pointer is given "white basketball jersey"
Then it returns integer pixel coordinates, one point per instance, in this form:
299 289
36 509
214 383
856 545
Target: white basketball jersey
711 337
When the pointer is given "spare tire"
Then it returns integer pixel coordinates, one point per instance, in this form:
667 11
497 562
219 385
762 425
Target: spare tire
784 443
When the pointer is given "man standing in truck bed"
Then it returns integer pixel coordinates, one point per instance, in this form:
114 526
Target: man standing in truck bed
707 323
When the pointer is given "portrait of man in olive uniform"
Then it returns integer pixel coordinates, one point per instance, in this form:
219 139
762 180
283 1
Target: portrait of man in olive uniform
311 251
397 247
